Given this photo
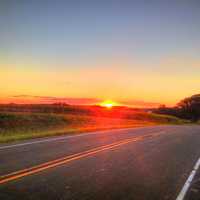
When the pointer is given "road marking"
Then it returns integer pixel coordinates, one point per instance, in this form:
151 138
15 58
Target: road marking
64 160
42 141
188 182
58 138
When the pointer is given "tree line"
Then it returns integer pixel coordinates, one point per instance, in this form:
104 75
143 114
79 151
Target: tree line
187 108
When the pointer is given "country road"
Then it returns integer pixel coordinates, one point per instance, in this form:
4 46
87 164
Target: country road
149 163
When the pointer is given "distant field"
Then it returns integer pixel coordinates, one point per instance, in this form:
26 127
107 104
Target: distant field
25 125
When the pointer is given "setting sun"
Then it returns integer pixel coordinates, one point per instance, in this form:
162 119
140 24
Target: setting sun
108 104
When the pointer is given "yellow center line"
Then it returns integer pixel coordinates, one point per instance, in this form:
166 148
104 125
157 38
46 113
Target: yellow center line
50 164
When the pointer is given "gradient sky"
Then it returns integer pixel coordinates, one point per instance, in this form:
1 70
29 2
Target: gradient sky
134 52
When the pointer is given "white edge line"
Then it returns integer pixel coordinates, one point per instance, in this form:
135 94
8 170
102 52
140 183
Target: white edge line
59 138
46 140
188 182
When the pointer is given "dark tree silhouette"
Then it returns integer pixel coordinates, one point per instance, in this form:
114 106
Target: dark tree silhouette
190 107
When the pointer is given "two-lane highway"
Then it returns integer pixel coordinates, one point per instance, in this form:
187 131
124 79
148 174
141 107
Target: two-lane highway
140 163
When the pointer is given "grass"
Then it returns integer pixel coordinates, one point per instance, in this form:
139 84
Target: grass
167 119
16 126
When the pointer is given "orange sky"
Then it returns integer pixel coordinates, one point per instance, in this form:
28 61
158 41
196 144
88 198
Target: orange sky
119 81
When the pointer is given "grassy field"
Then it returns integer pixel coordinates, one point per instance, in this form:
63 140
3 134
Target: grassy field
24 125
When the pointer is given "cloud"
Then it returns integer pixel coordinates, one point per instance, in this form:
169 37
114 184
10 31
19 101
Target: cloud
52 99
29 99
140 103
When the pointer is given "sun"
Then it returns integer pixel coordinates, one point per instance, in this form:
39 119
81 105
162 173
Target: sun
108 104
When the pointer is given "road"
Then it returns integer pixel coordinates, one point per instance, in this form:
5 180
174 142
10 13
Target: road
149 163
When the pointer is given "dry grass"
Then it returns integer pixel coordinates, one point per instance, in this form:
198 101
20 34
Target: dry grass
18 125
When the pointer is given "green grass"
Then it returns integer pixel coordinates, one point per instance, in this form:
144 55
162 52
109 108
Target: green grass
19 126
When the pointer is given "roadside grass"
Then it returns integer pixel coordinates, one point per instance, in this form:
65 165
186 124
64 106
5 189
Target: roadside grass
168 119
16 126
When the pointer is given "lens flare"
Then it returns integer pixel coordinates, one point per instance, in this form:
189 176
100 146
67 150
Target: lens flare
108 104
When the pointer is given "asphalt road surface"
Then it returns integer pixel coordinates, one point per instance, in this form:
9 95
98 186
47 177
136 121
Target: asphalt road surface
150 163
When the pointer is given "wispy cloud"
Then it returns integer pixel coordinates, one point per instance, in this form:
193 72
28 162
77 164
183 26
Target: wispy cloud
140 103
26 99
52 99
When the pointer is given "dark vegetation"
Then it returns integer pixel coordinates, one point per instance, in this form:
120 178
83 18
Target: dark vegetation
188 108
117 112
62 108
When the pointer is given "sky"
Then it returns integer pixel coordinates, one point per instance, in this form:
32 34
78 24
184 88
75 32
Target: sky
139 53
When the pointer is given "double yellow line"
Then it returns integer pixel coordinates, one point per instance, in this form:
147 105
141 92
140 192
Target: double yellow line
47 165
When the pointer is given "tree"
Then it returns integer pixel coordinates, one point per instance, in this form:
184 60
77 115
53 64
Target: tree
190 107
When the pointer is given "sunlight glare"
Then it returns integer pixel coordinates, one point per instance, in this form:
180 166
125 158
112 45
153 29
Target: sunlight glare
108 104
